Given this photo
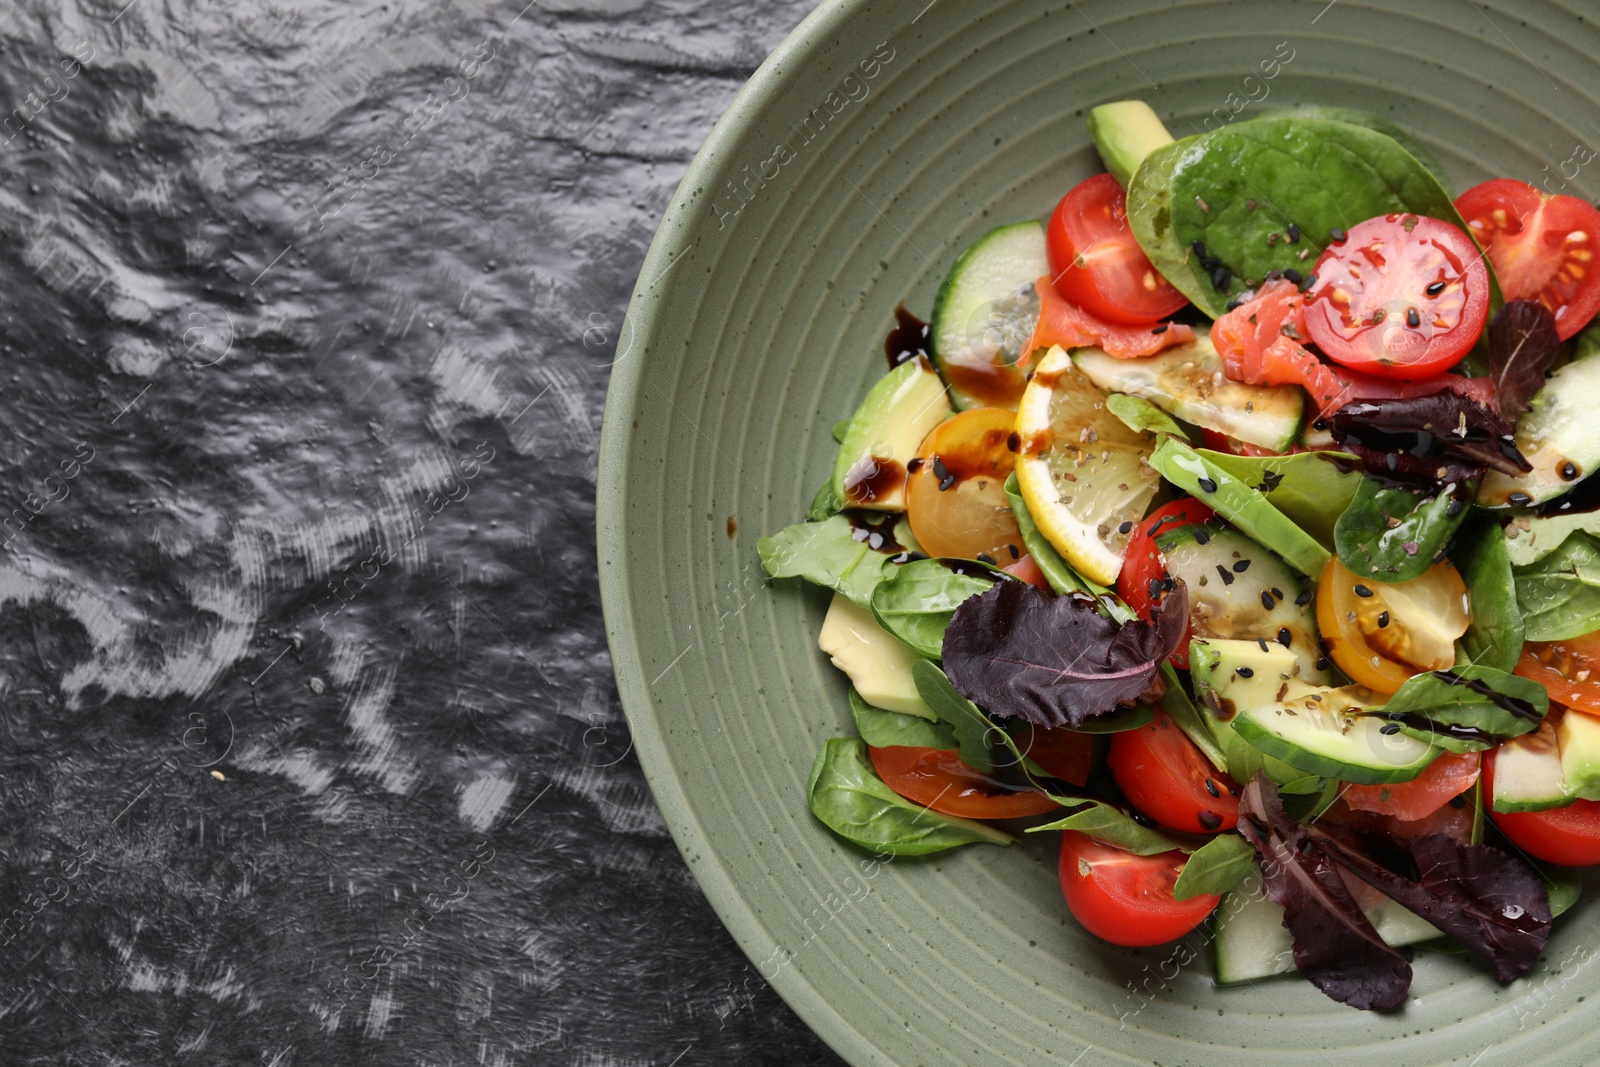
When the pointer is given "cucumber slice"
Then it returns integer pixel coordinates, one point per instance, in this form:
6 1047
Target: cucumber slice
1527 772
1231 581
1558 435
1251 941
985 314
1324 731
1188 381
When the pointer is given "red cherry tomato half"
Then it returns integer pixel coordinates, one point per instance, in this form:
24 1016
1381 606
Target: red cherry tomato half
1402 296
1060 752
1542 247
1142 569
1569 836
1127 899
1165 776
1447 777
1097 264
937 779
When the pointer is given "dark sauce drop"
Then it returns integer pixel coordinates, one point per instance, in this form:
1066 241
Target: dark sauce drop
871 478
1520 708
876 530
908 339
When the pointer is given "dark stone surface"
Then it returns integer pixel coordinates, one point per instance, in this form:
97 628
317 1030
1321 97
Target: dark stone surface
309 750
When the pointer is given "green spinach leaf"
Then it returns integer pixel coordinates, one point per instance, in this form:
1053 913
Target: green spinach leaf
1494 631
1560 594
1150 218
825 553
1115 826
849 798
975 733
916 601
1311 488
888 729
1239 188
1137 413
1393 535
1215 867
1531 538
1467 708
1371 121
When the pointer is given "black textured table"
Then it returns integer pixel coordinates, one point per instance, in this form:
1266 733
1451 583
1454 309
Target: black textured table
309 750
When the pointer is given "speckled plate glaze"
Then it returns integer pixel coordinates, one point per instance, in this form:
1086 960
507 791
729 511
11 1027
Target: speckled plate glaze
865 153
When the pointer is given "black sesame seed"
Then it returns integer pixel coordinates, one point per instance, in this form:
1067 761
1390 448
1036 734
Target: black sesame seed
1266 600
1208 485
1238 302
1311 279
1294 276
1241 566
1362 590
1277 592
1322 663
1221 278
1125 527
1383 619
1453 508
1292 233
1210 820
1199 248
1210 263
1013 550
1413 320
1141 818
1201 537
940 471
1162 328
1227 575
1336 235
1271 276
1262 641
1569 470
1520 498
947 483
1436 288
1211 787
1284 637
1245 672
984 557
1304 598
1391 728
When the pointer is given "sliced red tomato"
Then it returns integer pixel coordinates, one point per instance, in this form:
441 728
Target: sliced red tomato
1541 246
1127 899
1447 777
1097 264
1165 776
1027 569
1569 669
1569 836
1331 388
937 779
1402 296
1140 581
1070 326
1063 753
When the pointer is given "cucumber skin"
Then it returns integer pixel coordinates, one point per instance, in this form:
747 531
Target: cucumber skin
960 399
1262 738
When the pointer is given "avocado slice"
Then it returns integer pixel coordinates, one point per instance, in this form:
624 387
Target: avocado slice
1229 675
1125 132
1240 504
1578 736
878 663
1528 774
884 435
1188 381
1557 434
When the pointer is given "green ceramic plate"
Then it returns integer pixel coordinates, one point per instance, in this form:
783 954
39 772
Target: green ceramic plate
875 143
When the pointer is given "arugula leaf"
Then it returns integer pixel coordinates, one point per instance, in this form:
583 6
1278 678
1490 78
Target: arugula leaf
1150 218
825 553
1543 534
1356 117
1215 867
1237 189
887 729
1393 535
1494 629
975 734
849 798
1311 488
1335 945
1057 571
1467 708
1055 661
1560 594
1137 413
1109 823
917 600
1430 440
1522 344
1186 717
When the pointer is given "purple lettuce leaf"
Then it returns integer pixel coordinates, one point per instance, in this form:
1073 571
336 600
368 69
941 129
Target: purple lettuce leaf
1056 661
1432 439
1522 343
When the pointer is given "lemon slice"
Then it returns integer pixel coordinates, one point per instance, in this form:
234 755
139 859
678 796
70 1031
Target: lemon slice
1082 471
